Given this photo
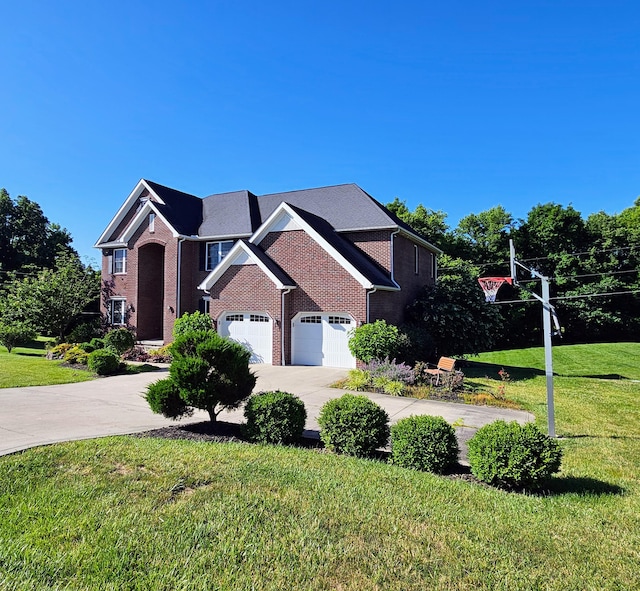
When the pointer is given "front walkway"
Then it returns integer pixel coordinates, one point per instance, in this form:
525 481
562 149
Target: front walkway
42 415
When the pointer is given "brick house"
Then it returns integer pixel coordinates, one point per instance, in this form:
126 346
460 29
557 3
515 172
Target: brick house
288 274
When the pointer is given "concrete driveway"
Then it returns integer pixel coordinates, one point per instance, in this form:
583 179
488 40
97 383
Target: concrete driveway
42 415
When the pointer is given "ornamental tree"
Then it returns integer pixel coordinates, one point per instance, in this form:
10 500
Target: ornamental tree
208 372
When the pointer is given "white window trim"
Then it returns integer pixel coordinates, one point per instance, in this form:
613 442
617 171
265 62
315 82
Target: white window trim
124 261
221 256
123 303
207 304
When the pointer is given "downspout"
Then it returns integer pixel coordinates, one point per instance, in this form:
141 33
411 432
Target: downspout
178 274
393 253
284 293
368 318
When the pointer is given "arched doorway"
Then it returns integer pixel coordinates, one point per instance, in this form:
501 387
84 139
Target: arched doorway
149 315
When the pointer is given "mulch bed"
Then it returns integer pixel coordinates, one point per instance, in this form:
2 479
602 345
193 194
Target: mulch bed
223 432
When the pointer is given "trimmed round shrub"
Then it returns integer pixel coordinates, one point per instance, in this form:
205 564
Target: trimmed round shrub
513 456
274 417
424 443
87 347
377 340
103 362
164 398
353 425
192 322
119 340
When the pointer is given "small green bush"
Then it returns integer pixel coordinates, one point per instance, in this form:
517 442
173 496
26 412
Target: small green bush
192 322
164 398
424 443
76 355
161 355
358 380
59 351
103 362
394 388
97 343
513 456
119 340
274 417
353 425
377 340
87 347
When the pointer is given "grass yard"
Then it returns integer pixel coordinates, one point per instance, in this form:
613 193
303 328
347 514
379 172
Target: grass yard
129 513
27 366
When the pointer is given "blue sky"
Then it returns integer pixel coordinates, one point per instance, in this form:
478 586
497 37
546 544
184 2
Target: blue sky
458 105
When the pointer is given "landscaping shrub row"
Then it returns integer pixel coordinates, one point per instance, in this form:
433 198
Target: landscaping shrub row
103 355
506 455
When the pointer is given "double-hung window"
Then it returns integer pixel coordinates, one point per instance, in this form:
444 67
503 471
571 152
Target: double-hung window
117 311
120 260
216 251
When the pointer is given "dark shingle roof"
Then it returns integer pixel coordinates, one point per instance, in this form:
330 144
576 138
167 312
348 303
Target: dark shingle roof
239 213
270 264
181 210
345 207
229 214
367 266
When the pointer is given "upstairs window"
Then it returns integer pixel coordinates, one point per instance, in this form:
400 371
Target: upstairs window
216 251
120 260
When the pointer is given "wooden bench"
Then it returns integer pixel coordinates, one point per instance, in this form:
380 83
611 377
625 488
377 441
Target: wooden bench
445 364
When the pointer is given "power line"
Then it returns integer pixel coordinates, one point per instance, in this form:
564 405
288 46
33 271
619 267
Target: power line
594 274
572 297
576 254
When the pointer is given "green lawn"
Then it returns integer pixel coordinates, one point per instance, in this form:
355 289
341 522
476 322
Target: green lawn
27 366
127 513
604 360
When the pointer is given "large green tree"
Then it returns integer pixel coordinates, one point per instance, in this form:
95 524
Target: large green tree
485 237
27 237
50 300
454 312
429 223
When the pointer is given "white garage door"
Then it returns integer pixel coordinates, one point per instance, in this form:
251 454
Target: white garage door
322 339
252 329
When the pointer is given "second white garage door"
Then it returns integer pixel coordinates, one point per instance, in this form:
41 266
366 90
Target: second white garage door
252 329
322 339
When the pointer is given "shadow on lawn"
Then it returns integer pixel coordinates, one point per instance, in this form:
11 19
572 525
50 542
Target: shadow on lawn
478 369
581 486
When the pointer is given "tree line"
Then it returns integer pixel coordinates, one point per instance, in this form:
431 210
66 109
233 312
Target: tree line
593 265
44 286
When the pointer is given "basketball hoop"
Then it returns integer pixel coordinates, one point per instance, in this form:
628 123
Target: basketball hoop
491 285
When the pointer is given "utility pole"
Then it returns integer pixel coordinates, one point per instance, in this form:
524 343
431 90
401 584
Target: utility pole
548 312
